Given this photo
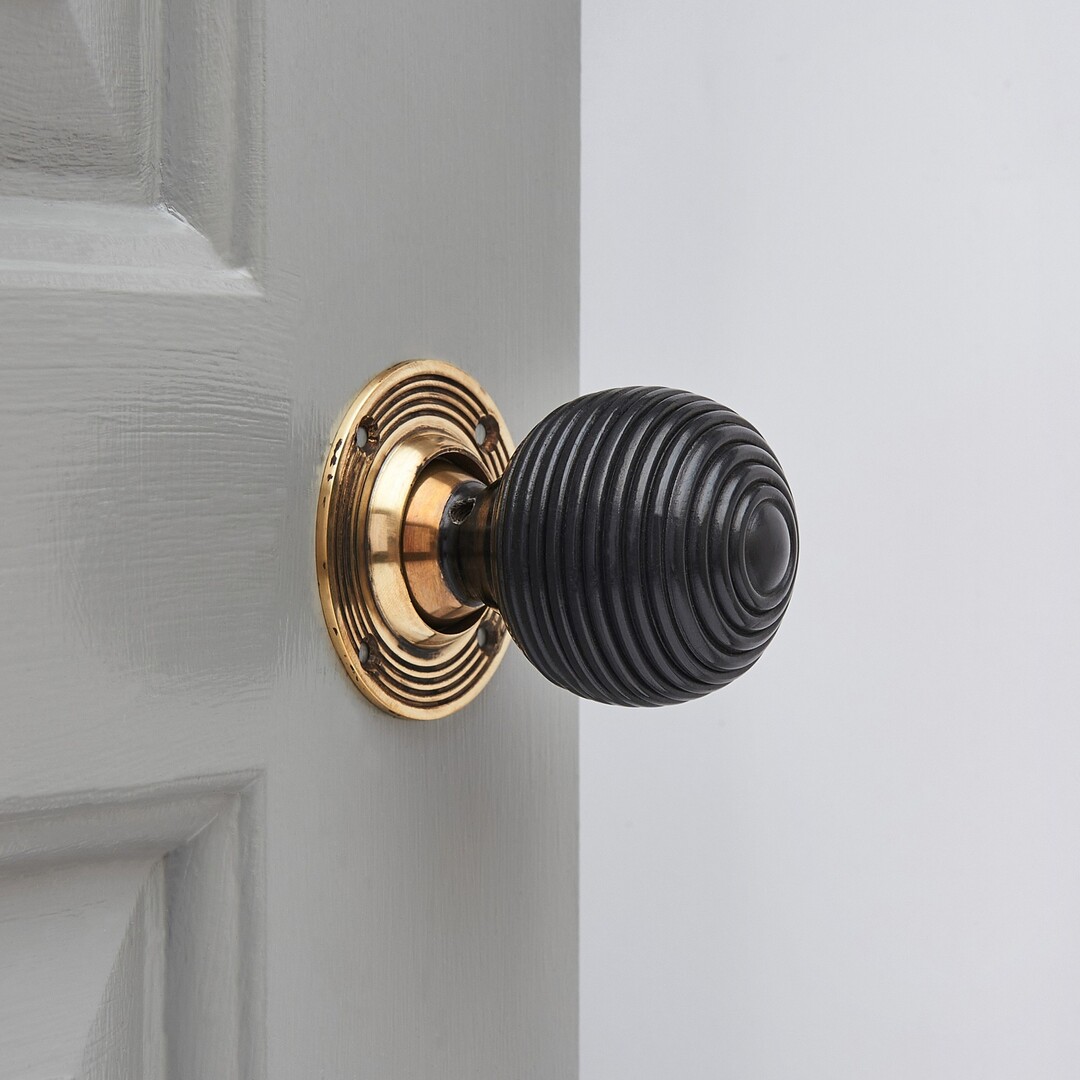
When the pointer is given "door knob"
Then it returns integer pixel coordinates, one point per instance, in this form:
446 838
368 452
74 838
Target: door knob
640 546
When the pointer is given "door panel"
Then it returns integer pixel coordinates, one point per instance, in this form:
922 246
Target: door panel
294 198
131 929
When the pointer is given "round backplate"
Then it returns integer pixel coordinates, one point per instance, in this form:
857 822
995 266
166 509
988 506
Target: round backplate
395 428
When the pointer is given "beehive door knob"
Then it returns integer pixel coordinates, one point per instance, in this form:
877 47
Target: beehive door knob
641 546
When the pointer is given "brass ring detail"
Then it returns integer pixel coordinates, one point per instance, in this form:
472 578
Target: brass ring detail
410 416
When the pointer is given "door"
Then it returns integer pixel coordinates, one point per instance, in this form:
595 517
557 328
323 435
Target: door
217 221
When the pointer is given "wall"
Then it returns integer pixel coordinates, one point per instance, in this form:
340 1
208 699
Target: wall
858 224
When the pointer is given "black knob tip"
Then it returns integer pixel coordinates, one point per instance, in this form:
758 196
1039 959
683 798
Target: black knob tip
767 548
641 546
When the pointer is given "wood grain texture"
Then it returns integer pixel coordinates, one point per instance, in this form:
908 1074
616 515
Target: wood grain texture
162 429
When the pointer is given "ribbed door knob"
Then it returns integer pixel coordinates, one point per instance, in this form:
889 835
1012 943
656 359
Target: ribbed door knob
640 546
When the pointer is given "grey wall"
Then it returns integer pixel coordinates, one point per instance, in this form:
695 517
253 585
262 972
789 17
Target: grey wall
859 224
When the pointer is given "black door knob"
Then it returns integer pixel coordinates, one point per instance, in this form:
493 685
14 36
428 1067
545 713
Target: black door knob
640 546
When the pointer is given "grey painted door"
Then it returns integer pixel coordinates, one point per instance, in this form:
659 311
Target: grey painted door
217 221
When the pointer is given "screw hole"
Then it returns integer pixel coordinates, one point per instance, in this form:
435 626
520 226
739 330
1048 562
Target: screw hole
486 433
367 652
460 509
488 635
366 436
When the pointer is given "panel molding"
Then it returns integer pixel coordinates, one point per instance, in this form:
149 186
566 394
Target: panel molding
212 123
135 107
80 99
127 1037
168 882
81 245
